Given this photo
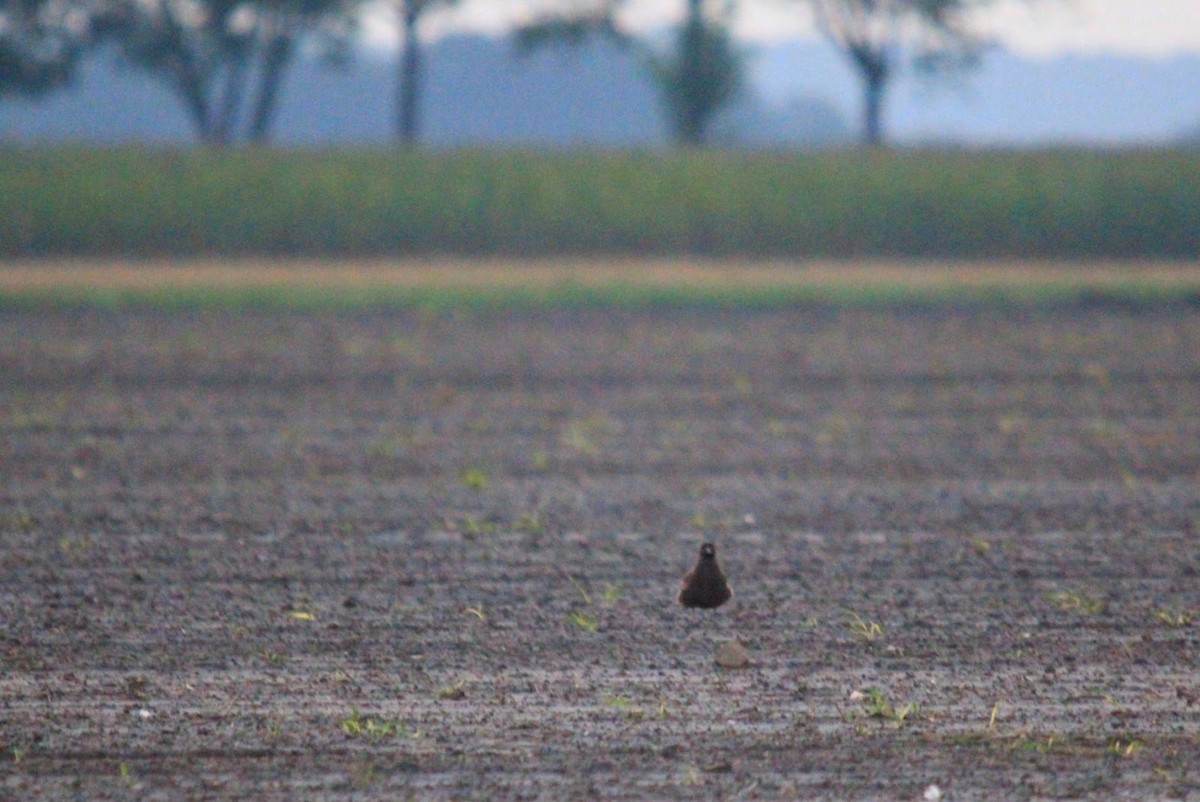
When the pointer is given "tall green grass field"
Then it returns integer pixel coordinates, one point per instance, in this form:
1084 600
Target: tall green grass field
139 202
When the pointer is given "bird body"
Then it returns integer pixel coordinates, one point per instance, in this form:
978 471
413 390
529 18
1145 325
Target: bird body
704 586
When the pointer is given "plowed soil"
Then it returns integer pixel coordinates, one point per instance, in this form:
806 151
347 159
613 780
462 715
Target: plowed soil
268 555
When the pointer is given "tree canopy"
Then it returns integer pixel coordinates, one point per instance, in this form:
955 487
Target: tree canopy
697 76
40 43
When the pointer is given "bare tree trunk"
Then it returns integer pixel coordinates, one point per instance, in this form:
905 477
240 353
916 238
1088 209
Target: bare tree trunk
237 75
874 68
191 90
692 115
409 86
275 60
188 78
873 90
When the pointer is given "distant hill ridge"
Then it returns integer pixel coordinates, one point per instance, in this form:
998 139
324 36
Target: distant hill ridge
479 92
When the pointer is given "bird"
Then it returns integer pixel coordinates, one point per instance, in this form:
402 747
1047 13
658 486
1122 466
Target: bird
704 586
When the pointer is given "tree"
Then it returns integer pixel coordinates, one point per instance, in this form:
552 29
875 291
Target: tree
699 76
215 54
876 34
408 84
40 43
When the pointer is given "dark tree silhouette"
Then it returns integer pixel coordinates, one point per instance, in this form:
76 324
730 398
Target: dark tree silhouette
699 76
215 55
876 34
40 43
410 80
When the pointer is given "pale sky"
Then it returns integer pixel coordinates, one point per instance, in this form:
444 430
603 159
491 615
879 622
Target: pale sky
1038 28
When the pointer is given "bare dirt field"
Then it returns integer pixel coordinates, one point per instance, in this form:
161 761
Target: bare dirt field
264 554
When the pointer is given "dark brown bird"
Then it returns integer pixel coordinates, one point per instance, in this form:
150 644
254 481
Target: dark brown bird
705 585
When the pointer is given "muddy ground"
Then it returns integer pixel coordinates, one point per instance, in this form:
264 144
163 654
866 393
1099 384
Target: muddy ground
388 555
